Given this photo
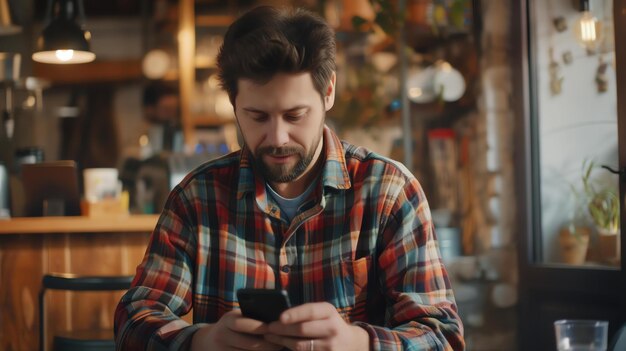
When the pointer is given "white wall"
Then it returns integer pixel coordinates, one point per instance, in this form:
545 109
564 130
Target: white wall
577 124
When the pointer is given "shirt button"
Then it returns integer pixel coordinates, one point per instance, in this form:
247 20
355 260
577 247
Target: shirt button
285 269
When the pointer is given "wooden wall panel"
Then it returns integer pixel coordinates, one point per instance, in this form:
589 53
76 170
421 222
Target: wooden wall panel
133 247
94 255
20 274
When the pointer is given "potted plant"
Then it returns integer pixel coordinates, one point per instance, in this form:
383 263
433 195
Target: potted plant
603 208
574 236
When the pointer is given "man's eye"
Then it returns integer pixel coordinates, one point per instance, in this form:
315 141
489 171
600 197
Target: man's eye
294 117
259 118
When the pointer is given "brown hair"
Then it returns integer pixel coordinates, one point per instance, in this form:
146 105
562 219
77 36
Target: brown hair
267 40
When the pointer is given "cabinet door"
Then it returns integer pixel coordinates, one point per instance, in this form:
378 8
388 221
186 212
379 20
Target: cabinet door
571 120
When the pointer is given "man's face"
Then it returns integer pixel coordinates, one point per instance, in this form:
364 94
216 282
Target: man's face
282 123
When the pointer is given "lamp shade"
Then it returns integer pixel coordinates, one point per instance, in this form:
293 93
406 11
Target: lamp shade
63 41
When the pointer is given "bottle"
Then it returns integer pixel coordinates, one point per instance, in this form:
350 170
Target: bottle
5 211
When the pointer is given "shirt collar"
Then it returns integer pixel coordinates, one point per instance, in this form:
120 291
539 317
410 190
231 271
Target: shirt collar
334 174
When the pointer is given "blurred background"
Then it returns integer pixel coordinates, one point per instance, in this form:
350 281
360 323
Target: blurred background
503 110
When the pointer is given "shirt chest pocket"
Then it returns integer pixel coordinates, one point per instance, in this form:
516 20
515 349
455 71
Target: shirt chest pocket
349 283
355 272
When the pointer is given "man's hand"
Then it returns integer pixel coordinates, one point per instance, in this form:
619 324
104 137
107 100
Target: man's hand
316 326
233 332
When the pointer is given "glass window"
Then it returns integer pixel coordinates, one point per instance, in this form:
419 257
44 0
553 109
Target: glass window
572 58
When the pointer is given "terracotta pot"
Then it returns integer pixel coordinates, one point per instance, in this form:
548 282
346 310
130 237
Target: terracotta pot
417 11
610 246
574 246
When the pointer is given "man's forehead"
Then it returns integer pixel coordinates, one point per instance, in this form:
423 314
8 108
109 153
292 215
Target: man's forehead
282 93
278 78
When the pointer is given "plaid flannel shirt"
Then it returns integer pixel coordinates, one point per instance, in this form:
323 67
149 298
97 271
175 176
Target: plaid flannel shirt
363 241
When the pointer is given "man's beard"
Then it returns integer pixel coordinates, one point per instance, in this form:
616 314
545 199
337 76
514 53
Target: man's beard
284 173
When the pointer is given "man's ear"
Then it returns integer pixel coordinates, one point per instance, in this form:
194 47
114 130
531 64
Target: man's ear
329 97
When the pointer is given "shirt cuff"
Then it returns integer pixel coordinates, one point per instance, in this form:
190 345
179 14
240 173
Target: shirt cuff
182 341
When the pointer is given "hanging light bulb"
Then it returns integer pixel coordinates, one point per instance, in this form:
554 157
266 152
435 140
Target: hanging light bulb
587 29
63 41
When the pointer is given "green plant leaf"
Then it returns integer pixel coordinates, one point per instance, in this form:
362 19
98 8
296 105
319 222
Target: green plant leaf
358 22
603 205
385 22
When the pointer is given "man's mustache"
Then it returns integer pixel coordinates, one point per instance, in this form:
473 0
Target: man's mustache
279 151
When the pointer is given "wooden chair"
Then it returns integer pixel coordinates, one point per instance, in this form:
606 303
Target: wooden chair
96 340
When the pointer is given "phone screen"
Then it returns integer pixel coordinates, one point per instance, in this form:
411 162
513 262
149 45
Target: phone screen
264 305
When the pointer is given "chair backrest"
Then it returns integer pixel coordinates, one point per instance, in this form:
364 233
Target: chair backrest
618 342
66 281
73 282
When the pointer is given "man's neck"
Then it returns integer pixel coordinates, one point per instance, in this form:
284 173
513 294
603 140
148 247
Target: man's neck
294 188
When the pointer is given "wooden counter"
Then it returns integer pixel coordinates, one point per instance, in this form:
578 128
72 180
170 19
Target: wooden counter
78 224
31 247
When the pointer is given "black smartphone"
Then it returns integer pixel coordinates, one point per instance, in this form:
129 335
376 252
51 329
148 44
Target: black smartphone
264 305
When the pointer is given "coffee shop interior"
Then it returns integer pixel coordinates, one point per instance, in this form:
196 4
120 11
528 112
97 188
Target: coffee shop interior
510 113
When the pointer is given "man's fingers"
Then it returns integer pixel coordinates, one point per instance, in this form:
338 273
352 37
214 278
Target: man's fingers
246 342
311 320
241 324
322 328
308 312
295 343
237 334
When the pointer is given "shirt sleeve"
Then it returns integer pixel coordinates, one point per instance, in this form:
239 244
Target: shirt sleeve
148 315
421 313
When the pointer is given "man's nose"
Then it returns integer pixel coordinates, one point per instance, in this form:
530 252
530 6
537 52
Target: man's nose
278 133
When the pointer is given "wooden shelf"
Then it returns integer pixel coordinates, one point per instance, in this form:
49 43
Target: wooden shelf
90 73
211 121
202 19
214 20
420 37
189 66
78 224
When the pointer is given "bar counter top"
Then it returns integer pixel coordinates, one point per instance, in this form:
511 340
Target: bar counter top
78 224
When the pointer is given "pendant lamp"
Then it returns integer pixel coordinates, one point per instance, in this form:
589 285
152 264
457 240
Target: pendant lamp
587 29
63 40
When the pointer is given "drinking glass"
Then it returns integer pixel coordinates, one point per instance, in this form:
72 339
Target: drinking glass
581 335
